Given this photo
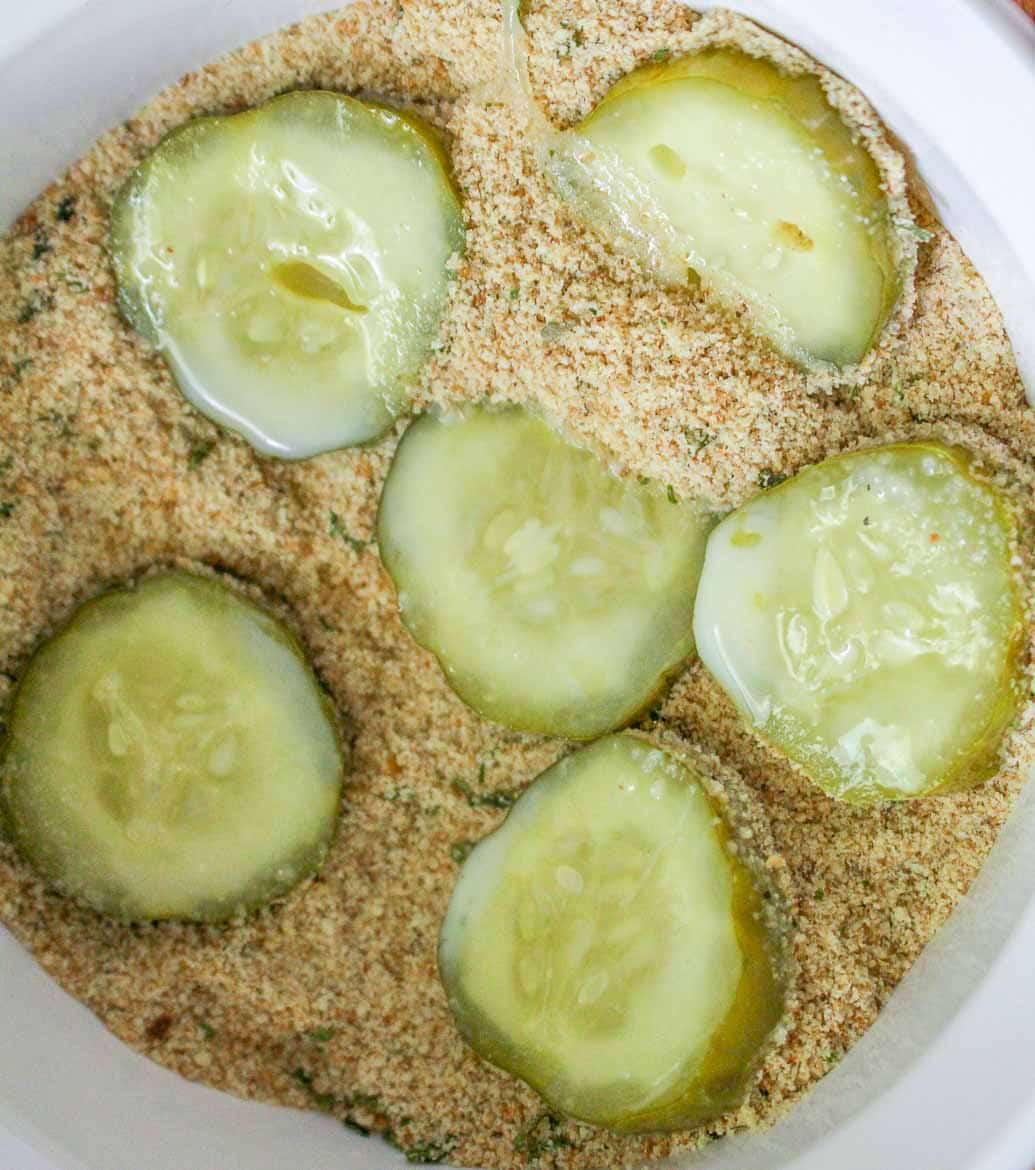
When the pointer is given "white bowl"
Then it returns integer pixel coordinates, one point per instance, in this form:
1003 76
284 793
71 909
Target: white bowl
945 1080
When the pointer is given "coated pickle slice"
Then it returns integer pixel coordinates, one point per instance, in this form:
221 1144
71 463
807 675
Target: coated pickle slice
556 596
864 615
170 755
722 164
606 946
291 262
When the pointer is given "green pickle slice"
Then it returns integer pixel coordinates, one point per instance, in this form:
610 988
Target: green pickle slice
291 263
556 596
720 166
606 946
864 615
171 755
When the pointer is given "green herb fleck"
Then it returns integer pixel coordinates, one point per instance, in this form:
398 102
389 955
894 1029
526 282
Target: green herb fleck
319 1035
37 303
199 452
323 1101
459 851
575 40
7 508
820 894
62 422
670 492
207 1031
660 55
768 478
40 245
367 1101
337 529
541 1135
697 438
66 208
430 1153
514 293
494 798
351 1123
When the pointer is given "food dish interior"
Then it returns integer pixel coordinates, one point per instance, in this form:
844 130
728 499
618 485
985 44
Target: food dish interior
946 950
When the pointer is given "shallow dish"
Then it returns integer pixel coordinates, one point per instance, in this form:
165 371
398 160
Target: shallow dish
943 1079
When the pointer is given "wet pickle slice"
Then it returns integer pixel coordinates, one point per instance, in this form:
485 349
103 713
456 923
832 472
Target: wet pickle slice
171 755
721 164
556 596
864 615
606 946
291 262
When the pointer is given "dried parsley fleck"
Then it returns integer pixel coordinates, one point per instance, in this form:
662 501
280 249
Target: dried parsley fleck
697 438
37 303
430 1153
768 478
7 508
541 1135
494 798
199 452
319 1035
65 208
670 491
459 851
367 1101
660 55
337 529
40 245
323 1101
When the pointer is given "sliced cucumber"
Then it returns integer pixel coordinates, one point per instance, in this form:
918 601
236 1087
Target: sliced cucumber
291 263
721 163
605 945
556 596
865 616
171 755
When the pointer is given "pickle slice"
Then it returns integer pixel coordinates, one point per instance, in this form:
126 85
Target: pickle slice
605 945
865 617
721 163
556 596
171 755
291 262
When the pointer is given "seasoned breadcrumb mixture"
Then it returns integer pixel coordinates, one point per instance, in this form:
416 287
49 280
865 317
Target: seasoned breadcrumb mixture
330 999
